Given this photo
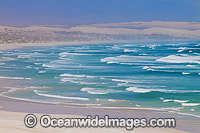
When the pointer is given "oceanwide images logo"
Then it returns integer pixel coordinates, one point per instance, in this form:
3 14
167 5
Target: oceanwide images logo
129 123
30 120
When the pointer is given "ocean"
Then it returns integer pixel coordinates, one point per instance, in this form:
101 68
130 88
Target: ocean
154 75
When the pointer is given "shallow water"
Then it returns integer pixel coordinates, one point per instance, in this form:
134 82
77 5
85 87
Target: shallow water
163 75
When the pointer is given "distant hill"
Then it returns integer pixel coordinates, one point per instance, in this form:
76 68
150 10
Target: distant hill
108 32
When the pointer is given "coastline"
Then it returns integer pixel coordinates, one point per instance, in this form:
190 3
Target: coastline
22 45
13 112
11 46
11 109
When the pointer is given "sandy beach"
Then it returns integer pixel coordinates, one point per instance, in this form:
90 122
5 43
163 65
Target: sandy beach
23 45
13 112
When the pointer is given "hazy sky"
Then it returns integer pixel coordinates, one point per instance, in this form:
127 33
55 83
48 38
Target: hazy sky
34 12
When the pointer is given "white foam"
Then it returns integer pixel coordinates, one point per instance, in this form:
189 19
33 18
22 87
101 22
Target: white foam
36 68
167 100
28 66
146 67
72 80
120 80
182 49
91 76
130 50
141 90
143 54
190 65
161 98
76 81
111 62
123 84
65 54
93 91
128 59
127 63
109 100
61 97
184 73
190 104
13 89
153 46
6 59
112 100
20 78
127 81
45 65
29 55
181 101
138 90
87 83
87 89
37 63
150 69
180 59
71 75
171 100
2 63
41 71
137 105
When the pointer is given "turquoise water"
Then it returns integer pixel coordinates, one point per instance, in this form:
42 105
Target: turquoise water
163 75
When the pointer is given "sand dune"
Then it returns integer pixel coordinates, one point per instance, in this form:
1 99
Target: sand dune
110 32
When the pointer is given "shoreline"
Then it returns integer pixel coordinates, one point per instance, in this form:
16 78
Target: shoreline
13 46
170 111
22 45
22 107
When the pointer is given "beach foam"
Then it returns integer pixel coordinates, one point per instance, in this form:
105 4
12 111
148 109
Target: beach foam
120 80
171 100
66 54
182 49
146 67
138 90
180 59
41 71
20 78
99 91
71 75
190 104
190 65
29 55
184 73
130 50
61 97
94 91
141 90
128 59
72 80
